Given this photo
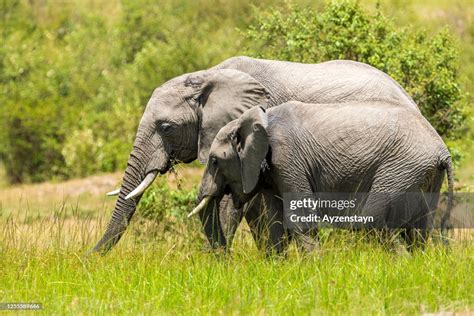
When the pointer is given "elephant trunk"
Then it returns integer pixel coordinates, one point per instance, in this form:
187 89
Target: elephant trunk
124 208
143 166
210 196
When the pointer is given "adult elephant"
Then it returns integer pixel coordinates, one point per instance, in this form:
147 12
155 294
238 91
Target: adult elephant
184 114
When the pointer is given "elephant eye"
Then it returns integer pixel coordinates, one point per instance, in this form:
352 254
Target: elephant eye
214 161
165 127
198 99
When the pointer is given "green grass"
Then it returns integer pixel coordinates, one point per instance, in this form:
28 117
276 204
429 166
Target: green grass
360 279
163 267
154 271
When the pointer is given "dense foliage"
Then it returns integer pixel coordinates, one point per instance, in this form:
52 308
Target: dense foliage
163 201
426 66
75 78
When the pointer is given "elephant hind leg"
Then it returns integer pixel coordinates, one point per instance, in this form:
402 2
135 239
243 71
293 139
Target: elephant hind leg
415 238
418 207
423 225
378 207
416 232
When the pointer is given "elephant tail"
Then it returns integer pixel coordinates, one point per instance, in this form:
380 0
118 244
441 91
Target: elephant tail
448 166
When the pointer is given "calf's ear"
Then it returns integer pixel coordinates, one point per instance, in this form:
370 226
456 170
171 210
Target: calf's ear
251 142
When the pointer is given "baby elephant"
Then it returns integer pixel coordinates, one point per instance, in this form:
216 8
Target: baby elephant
373 147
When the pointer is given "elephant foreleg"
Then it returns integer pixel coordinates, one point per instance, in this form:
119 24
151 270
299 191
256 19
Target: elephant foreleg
264 215
278 237
265 218
255 217
230 218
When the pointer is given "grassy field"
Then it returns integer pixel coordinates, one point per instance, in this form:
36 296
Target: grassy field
163 267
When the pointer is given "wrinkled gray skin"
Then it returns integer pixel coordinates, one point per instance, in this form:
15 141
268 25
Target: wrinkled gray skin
184 114
369 147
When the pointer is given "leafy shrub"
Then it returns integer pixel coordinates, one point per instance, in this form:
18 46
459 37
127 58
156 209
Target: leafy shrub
426 66
161 201
50 77
31 112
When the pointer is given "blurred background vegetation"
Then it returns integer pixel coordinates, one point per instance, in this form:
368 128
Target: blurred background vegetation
75 76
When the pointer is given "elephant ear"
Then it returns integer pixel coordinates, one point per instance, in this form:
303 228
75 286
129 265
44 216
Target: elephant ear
226 94
251 144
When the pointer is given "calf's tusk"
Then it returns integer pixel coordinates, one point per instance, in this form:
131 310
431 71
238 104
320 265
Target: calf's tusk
200 206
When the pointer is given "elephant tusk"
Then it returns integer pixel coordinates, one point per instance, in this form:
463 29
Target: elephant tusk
143 186
200 206
114 192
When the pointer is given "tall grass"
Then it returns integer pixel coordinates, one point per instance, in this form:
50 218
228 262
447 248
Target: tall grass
44 261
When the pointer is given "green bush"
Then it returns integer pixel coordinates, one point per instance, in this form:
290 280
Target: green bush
52 71
160 201
426 66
